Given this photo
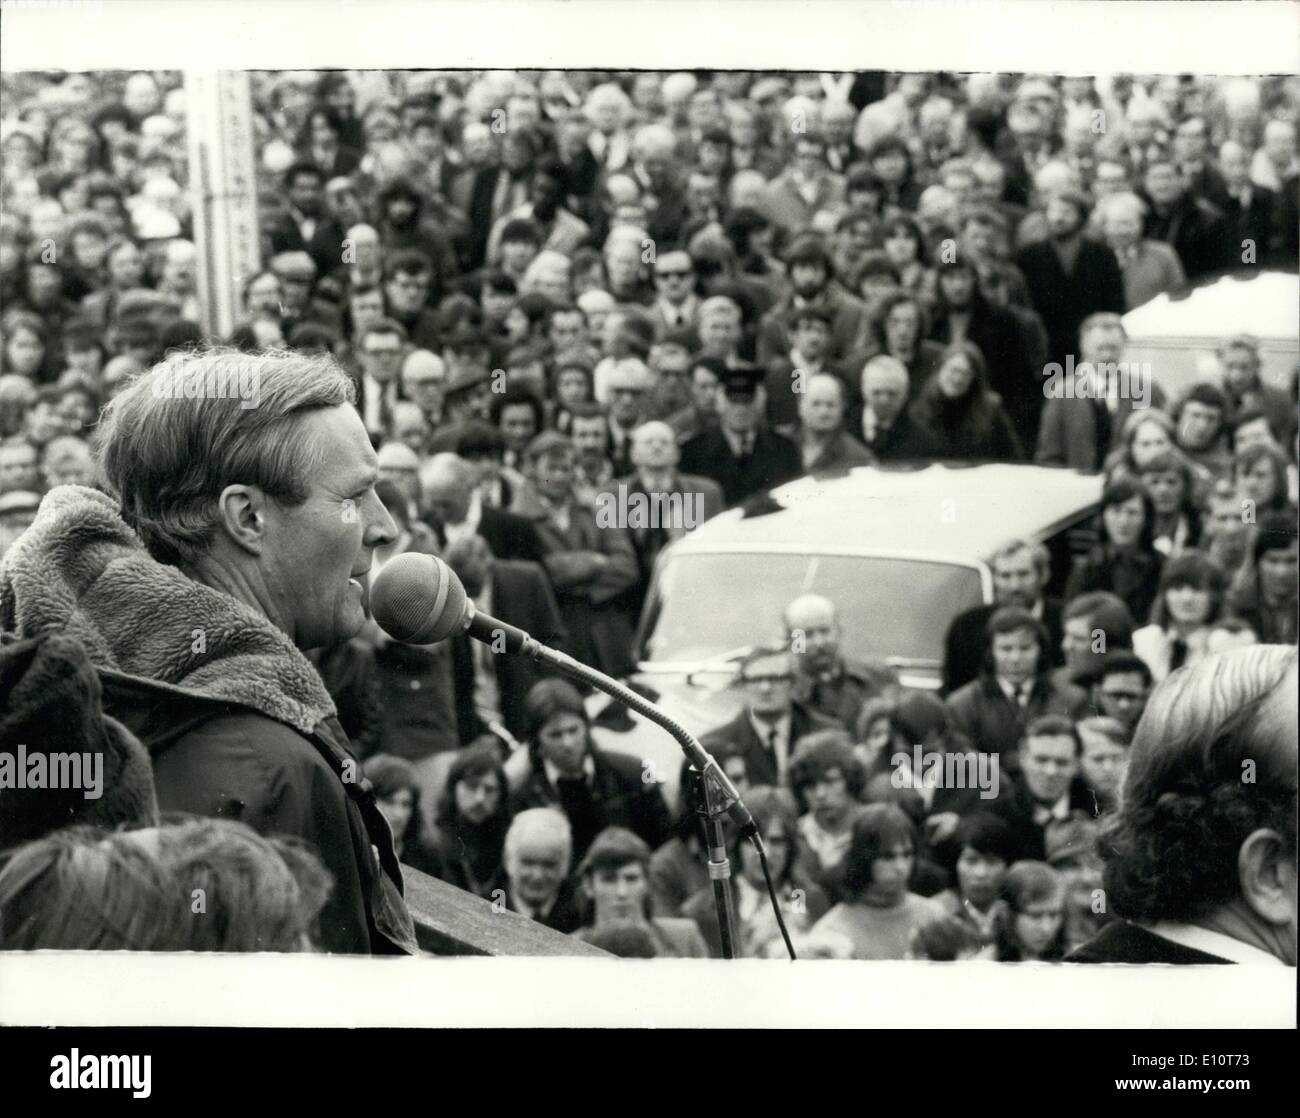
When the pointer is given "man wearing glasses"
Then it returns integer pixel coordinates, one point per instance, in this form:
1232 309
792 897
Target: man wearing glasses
379 350
771 722
1121 685
628 388
677 304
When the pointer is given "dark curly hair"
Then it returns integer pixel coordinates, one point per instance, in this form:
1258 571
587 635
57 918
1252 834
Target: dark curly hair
1171 850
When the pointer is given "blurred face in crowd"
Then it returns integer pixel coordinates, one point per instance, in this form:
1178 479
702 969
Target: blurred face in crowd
410 426
1109 178
1015 655
44 286
89 247
828 797
1164 184
768 682
957 286
517 254
623 263
704 389
619 894
1122 696
1049 763
979 877
902 327
590 437
1149 440
307 194
1076 642
24 352
739 411
553 474
265 294
1123 521
720 333
408 292
423 382
1199 425
563 741
627 396
891 872
1016 580
397 810
1102 764
567 330
884 388
518 426
367 308
1277 573
808 279
18 469
126 266
1123 226
654 447
572 386
1038 924
477 797
537 868
381 356
1063 218
1240 369
89 360
69 463
811 337
821 408
1166 489
674 277
955 376
814 633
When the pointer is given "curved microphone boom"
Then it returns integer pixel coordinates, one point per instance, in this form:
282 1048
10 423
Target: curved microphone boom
418 599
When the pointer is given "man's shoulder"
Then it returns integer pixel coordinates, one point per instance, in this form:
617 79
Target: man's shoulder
1123 942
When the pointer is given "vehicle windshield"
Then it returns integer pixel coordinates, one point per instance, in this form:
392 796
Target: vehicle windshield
709 605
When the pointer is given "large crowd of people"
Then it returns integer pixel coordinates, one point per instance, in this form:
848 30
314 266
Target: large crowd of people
546 287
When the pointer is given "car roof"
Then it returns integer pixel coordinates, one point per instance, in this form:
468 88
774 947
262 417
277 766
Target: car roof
1250 302
944 511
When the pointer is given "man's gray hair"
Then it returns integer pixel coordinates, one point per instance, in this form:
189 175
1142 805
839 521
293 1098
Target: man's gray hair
1042 557
178 435
544 824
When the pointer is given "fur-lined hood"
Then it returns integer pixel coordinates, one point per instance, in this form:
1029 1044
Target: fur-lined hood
80 569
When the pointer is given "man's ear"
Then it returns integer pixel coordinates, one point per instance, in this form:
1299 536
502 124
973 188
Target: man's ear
1263 868
241 516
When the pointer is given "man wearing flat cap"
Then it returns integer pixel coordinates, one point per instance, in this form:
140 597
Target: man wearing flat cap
742 455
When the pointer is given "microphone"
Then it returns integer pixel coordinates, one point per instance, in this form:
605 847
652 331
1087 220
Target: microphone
418 599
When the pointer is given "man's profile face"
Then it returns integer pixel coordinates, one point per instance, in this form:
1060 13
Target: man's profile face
314 554
1123 696
537 870
1016 581
1049 764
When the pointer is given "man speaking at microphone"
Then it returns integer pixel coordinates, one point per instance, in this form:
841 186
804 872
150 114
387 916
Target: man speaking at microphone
239 526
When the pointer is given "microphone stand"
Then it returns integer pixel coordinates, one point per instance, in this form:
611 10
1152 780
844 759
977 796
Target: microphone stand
719 793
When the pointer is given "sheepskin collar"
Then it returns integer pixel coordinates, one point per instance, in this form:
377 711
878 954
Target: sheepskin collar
80 569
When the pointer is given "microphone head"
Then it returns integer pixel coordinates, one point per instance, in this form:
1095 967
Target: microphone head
418 599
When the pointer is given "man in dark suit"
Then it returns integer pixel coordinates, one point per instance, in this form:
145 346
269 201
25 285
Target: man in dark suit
741 454
1186 805
1068 275
1080 430
888 431
491 688
1016 687
1195 228
1250 210
1048 790
452 506
307 226
1020 572
771 722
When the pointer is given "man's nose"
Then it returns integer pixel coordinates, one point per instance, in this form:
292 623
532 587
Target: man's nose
380 526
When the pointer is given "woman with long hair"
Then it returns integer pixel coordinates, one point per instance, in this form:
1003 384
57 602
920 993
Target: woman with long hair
1188 602
1125 561
957 407
472 819
899 328
904 244
321 141
397 793
1170 478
